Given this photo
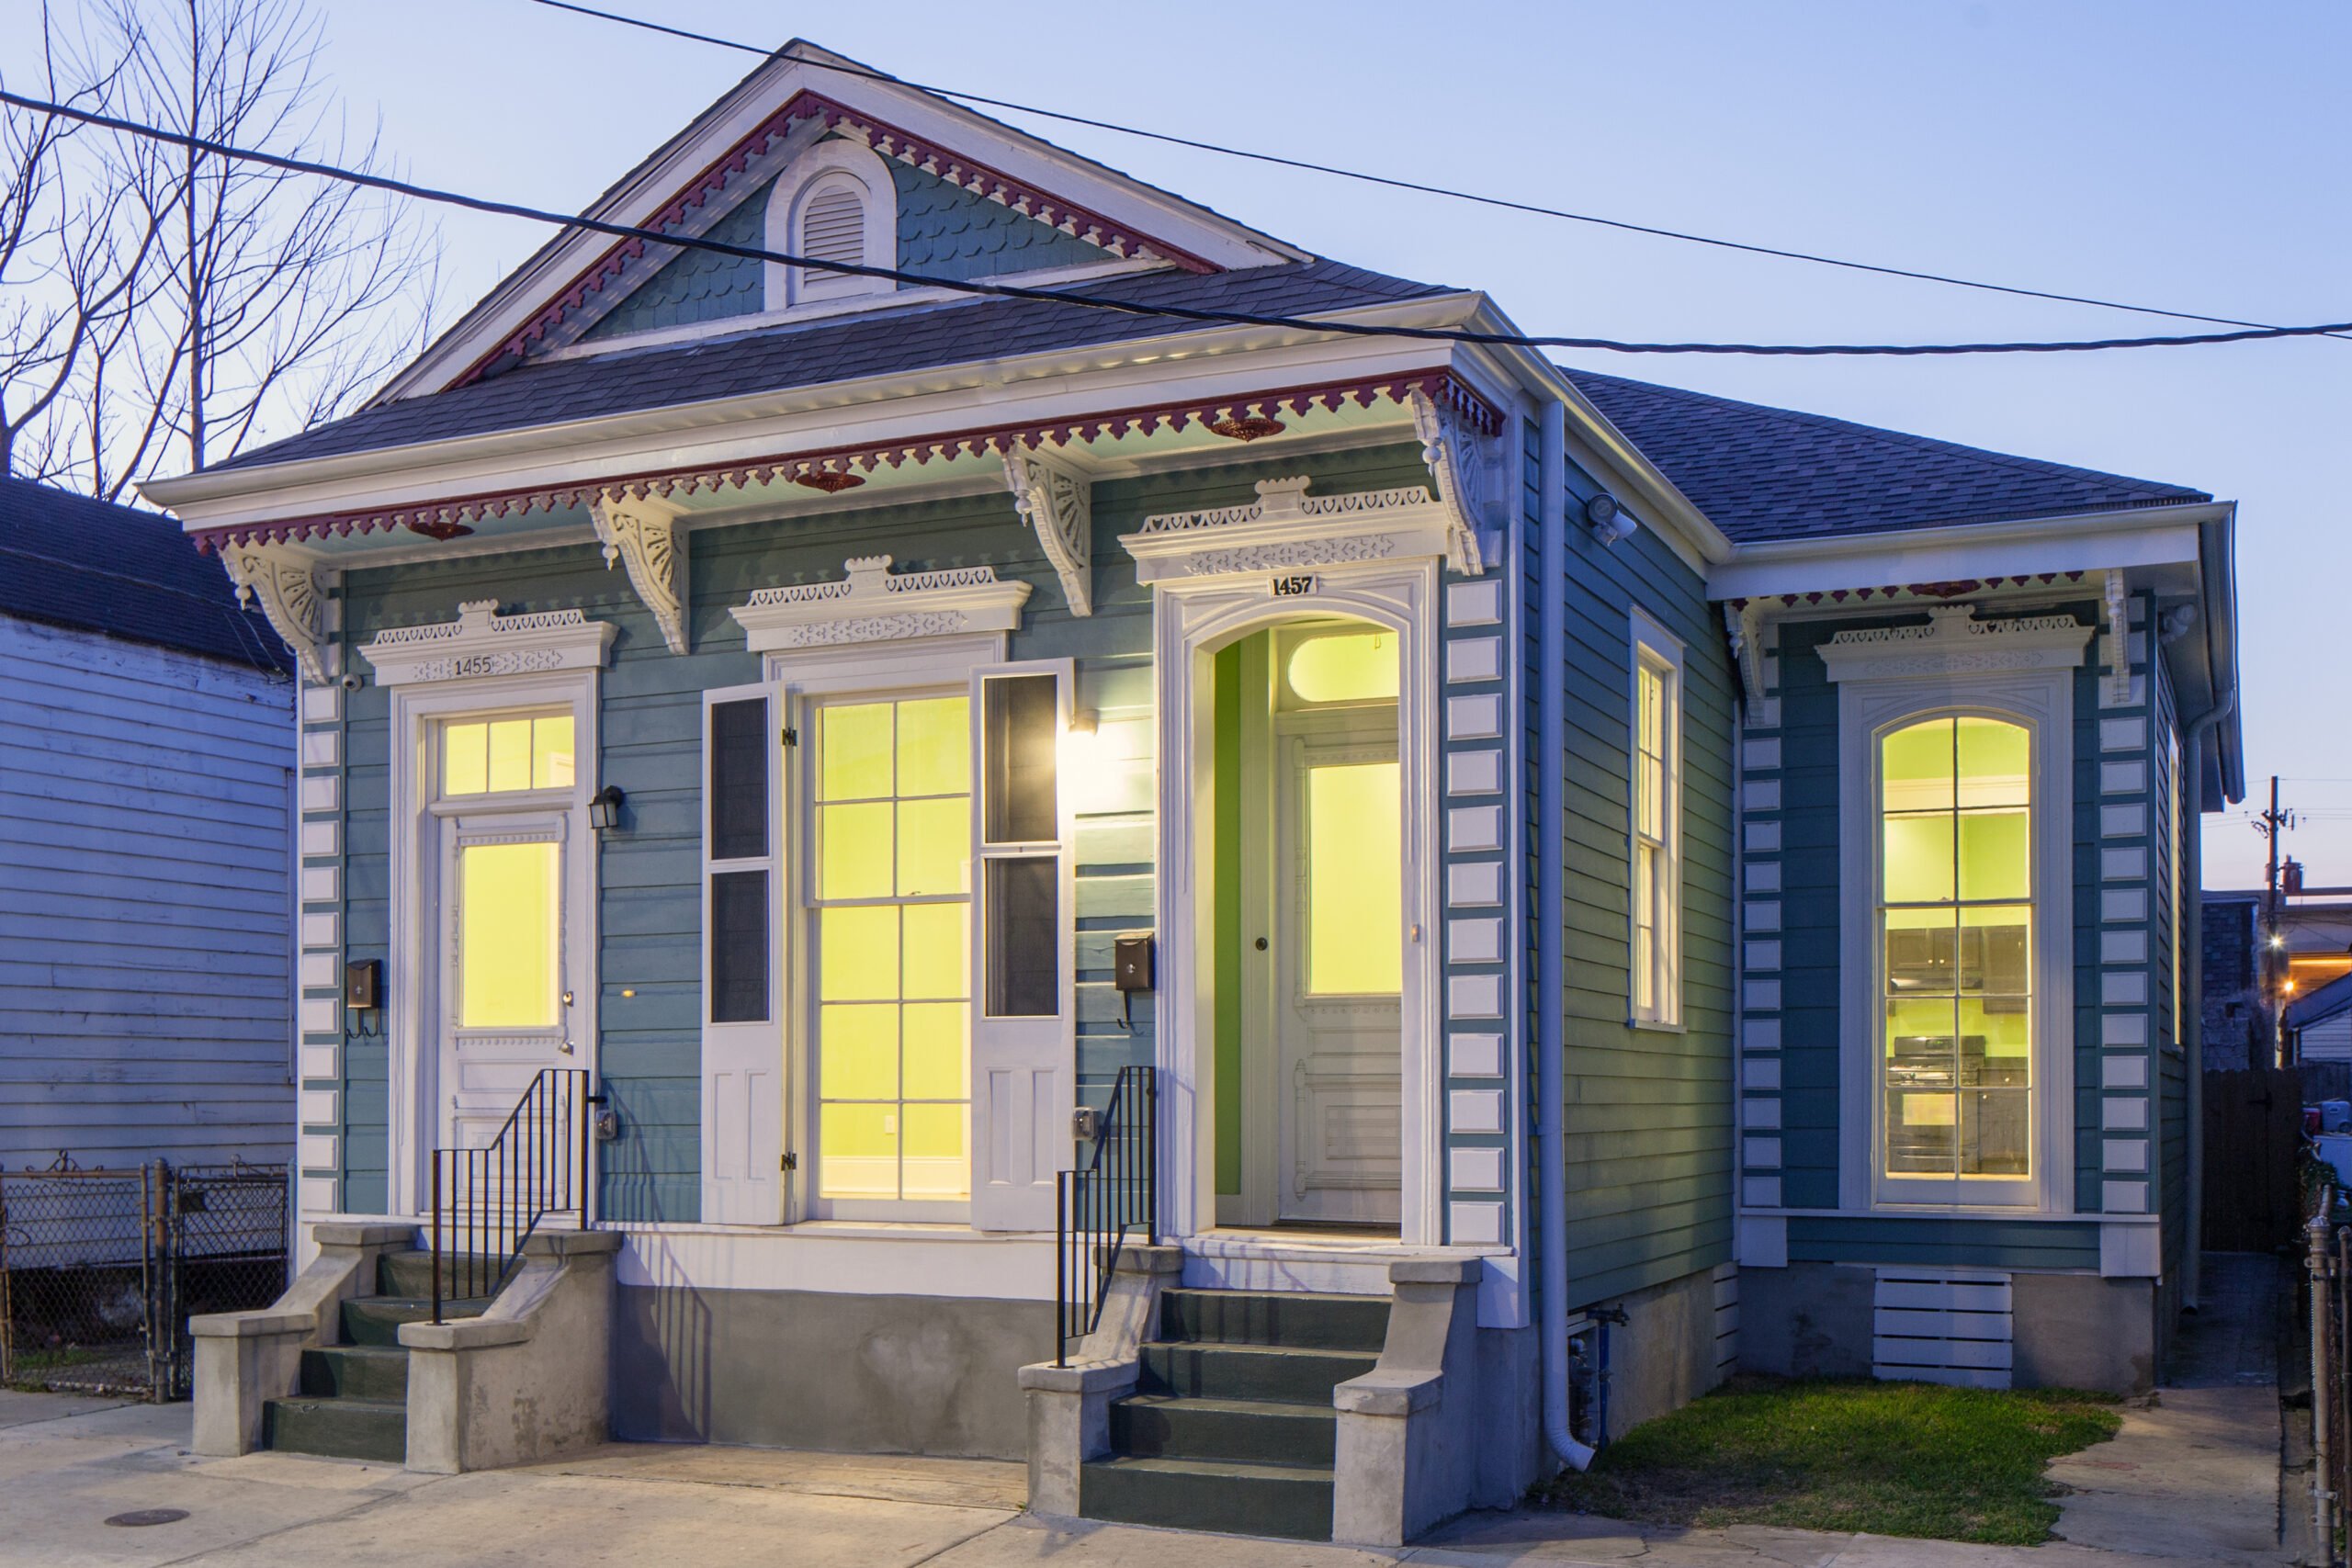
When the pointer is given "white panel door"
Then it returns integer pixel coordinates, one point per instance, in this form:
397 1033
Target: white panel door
510 970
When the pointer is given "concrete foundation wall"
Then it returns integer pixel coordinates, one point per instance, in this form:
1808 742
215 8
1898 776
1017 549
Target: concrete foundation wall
853 1374
1663 1356
1808 1320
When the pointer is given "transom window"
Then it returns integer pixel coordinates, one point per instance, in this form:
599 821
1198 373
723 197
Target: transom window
891 896
1955 920
497 756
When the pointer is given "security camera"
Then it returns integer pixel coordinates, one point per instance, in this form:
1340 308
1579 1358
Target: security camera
352 683
1608 521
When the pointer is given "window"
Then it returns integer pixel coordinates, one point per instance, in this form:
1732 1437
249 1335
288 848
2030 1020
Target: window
891 896
498 756
1955 914
1656 811
1021 816
510 902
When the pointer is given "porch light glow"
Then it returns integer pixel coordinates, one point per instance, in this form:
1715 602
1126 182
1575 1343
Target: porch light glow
604 808
1085 761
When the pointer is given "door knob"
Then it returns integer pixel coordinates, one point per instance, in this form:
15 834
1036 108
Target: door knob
1261 944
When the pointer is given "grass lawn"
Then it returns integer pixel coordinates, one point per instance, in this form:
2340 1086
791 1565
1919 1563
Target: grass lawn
1906 1459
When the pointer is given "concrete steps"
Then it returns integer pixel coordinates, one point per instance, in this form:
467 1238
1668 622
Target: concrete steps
353 1398
1231 1427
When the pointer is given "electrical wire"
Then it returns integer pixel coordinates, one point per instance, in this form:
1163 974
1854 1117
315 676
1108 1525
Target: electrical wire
1100 301
1393 182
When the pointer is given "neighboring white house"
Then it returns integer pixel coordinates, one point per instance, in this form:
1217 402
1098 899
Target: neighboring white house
146 780
2322 1022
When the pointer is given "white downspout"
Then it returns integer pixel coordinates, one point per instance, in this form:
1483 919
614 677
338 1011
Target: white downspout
2192 1026
1551 1024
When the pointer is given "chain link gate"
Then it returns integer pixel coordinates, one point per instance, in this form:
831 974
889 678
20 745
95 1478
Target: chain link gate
101 1270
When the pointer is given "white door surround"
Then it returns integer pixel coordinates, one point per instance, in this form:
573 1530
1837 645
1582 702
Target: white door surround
1193 618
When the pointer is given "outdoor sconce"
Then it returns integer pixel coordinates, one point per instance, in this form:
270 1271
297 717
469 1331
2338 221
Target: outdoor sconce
1607 520
604 808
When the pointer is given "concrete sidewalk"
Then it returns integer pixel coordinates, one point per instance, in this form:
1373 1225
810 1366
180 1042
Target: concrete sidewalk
68 1465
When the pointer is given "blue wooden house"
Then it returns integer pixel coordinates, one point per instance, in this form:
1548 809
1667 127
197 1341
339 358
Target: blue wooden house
146 847
1570 884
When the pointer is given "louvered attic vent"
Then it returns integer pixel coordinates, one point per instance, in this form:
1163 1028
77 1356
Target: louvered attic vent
833 229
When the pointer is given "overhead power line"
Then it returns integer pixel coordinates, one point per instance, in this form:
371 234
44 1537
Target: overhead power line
1099 301
1394 182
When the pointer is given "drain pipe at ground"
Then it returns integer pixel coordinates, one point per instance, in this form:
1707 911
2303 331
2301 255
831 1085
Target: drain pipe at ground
1551 1024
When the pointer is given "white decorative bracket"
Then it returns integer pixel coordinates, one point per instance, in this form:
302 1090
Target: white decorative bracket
1285 530
1955 643
642 534
873 604
481 642
293 594
2119 641
1744 621
1059 503
1457 462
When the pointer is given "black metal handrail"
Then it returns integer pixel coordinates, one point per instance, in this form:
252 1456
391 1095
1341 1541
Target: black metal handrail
487 1202
1113 1192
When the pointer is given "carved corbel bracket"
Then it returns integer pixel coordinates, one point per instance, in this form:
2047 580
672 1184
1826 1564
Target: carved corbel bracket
292 590
642 534
1456 457
1744 621
1059 503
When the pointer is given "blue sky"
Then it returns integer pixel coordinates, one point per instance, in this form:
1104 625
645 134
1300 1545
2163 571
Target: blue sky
2191 156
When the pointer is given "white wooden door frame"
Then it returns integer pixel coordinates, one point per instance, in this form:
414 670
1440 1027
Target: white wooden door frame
1192 619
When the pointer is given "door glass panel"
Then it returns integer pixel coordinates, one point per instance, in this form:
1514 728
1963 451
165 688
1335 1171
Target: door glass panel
1025 937
508 942
1021 722
1355 889
893 827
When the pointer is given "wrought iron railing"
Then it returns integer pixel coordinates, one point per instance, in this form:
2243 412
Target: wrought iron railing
1112 1195
487 1202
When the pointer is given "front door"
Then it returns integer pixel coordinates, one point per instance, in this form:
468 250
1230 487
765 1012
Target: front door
1339 893
509 978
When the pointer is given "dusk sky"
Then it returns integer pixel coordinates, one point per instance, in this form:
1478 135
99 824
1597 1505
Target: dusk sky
2186 156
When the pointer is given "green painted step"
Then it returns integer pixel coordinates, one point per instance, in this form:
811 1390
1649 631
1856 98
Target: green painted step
410 1274
1291 1501
1267 1372
376 1320
1302 1322
339 1429
356 1371
1239 1431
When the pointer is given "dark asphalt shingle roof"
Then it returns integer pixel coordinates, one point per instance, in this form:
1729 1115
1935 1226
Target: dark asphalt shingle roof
1765 473
839 349
69 560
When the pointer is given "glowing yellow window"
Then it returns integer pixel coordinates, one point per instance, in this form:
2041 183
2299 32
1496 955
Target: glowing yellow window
891 893
1956 927
509 942
497 755
1358 665
1355 889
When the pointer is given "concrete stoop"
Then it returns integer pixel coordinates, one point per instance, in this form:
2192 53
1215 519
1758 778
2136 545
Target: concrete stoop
1231 1425
352 1399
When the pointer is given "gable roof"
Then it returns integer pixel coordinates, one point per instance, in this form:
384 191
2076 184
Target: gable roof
1762 473
68 560
778 357
679 184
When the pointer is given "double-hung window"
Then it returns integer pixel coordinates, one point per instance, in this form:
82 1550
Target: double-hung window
1656 753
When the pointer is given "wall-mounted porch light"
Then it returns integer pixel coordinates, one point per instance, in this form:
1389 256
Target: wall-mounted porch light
1247 427
604 808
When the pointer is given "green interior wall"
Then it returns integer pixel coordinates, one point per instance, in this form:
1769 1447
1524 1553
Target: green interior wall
1241 680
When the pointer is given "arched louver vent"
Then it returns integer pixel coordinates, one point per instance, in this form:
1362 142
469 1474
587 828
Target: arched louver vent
833 229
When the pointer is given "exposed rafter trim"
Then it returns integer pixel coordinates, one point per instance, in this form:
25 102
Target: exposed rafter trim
1438 385
2119 639
1456 450
873 603
293 594
1059 503
980 179
1744 622
642 534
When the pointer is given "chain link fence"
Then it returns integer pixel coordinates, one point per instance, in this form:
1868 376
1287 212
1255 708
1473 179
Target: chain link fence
101 1270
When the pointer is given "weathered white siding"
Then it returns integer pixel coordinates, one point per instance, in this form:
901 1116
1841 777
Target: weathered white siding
2329 1040
145 998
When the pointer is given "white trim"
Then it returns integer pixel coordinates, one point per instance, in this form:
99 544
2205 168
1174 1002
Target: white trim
1650 643
1190 619
747 1045
1954 645
840 1257
830 166
2039 696
412 831
2086 542
482 644
1288 531
872 604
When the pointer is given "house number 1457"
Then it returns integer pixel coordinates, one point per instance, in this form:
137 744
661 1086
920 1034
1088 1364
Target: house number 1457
1297 585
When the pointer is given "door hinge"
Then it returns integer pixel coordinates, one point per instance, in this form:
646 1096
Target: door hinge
791 1161
791 735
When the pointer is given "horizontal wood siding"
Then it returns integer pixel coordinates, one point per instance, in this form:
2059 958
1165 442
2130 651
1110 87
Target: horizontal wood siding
1649 1141
146 1002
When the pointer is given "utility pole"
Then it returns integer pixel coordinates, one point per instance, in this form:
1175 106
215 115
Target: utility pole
2274 964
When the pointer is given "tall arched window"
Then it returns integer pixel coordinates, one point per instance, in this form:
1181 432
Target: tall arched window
837 204
1955 916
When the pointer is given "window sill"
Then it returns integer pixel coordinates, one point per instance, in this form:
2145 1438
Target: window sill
1658 1025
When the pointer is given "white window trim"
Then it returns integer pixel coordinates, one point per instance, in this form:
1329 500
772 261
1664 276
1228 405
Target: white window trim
1883 694
416 817
832 164
1652 644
